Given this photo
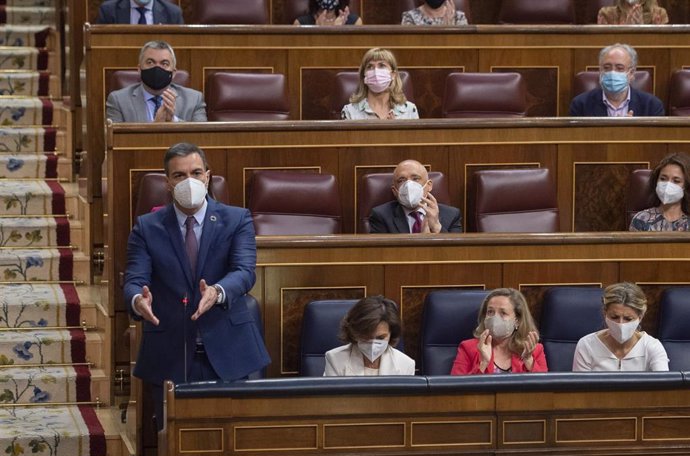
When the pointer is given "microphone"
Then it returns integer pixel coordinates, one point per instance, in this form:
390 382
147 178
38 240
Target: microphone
185 301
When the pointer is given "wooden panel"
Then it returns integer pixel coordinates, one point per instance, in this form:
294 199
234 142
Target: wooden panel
666 428
600 194
364 435
206 440
452 433
596 430
521 432
248 438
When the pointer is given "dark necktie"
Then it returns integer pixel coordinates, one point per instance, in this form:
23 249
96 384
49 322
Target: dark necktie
156 104
142 15
190 243
417 225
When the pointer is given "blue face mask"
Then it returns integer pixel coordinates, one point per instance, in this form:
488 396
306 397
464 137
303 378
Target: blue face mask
143 2
614 81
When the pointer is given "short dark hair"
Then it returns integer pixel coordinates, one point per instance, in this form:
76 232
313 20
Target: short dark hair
363 318
314 6
681 160
183 150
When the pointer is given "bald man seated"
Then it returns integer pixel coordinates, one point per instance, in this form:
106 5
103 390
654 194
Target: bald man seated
415 210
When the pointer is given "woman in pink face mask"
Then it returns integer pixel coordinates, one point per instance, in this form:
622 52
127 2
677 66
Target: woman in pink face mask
622 346
669 191
379 94
632 12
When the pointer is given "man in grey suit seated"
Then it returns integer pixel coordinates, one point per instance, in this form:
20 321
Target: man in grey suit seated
415 209
139 12
156 98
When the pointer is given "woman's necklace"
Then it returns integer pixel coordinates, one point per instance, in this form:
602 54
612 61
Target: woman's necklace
501 369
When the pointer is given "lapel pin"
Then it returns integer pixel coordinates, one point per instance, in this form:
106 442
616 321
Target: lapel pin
212 218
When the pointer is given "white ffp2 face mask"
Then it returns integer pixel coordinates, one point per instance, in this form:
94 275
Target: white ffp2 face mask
668 192
372 349
622 332
410 194
190 193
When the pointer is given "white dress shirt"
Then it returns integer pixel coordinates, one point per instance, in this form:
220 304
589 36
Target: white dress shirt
591 354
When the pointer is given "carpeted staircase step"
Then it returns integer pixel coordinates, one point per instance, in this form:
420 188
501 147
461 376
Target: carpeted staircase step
43 265
32 198
31 140
24 58
24 83
54 431
34 166
28 232
56 346
34 265
25 15
52 384
48 305
25 111
20 198
24 35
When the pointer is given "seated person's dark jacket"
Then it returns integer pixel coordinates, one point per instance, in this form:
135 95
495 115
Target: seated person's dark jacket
591 104
390 218
119 12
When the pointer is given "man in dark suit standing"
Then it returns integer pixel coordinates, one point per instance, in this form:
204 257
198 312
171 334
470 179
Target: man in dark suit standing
187 264
139 12
156 98
615 97
415 209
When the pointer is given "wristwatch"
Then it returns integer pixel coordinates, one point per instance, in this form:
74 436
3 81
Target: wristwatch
219 290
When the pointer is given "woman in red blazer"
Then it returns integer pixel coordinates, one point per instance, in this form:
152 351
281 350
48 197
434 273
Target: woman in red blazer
506 338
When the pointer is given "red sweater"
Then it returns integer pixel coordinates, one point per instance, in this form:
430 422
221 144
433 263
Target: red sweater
468 359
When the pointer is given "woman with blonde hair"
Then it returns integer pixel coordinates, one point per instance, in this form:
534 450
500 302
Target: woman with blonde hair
630 12
622 346
379 94
505 340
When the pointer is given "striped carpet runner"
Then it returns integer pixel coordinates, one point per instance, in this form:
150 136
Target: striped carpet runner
49 353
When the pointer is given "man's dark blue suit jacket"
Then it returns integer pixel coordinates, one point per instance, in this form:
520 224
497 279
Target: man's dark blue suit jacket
156 257
119 12
591 104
